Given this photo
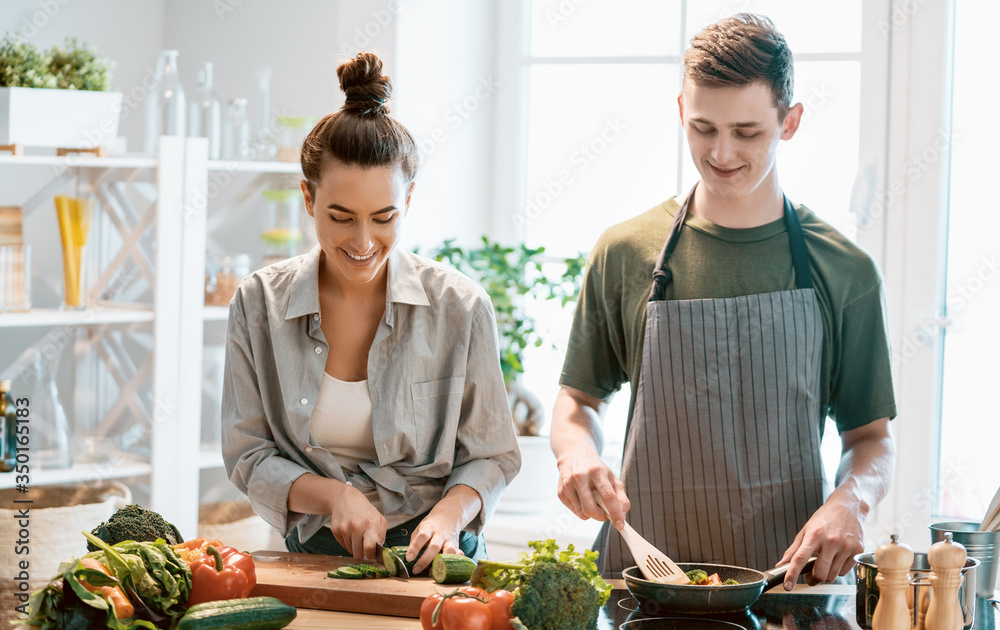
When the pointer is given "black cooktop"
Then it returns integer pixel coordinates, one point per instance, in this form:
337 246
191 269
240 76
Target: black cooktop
771 612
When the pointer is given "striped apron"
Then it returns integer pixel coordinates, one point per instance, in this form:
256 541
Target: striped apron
722 456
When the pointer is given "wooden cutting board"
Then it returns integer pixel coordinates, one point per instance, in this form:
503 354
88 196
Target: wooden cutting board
300 580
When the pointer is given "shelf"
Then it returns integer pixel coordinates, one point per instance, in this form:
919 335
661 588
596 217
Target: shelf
250 166
80 161
87 317
210 459
215 313
79 473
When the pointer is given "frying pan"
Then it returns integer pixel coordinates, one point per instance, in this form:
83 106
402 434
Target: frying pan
655 597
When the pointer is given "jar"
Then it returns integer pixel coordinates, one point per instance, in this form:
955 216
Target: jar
222 275
281 234
292 132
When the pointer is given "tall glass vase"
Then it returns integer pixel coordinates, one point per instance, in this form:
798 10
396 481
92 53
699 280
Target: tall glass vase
166 108
50 432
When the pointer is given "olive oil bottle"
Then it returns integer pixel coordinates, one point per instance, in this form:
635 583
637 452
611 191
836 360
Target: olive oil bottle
8 428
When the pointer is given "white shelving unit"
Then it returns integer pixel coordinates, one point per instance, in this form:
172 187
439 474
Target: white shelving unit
137 229
182 219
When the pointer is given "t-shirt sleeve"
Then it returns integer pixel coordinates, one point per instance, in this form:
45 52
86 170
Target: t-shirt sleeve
592 363
862 391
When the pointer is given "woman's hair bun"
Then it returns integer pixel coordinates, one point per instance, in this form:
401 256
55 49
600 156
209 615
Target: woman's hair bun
364 85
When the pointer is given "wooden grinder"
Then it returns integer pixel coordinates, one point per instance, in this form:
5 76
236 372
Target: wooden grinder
894 561
946 559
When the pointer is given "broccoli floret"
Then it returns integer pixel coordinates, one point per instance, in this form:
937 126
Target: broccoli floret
697 576
134 522
555 596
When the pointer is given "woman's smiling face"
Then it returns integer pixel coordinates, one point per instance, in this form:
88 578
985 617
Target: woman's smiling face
359 214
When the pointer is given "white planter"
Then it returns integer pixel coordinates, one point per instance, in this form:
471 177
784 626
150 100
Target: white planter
78 119
535 488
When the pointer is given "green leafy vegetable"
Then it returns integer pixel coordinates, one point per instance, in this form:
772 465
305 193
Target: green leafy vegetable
546 576
156 579
66 604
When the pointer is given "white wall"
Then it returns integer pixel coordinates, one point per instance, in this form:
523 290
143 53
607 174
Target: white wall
445 93
127 32
302 41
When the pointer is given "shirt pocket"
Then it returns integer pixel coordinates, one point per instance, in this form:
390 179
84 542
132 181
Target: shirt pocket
437 407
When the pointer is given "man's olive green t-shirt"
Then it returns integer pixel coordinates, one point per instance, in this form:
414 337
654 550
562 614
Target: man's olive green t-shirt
710 261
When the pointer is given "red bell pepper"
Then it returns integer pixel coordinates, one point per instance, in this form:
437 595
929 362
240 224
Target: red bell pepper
217 571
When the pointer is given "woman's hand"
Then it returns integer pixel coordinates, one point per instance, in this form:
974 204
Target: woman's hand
440 529
354 521
356 524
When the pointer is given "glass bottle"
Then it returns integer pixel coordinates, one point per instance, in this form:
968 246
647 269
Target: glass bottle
165 106
266 148
205 113
50 434
236 135
8 428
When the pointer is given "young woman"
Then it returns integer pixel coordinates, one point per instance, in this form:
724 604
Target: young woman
363 400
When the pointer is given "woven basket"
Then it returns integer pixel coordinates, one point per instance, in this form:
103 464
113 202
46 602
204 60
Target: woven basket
56 517
234 524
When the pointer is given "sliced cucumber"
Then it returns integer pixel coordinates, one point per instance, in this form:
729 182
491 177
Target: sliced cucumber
370 571
346 573
452 568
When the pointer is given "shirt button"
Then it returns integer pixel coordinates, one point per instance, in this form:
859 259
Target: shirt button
309 449
304 401
316 317
319 350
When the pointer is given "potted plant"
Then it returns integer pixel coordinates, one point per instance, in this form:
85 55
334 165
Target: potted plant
57 98
510 276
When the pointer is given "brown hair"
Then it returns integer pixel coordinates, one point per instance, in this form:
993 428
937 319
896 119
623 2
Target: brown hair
362 133
739 50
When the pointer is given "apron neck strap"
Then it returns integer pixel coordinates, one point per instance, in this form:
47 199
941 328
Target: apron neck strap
796 240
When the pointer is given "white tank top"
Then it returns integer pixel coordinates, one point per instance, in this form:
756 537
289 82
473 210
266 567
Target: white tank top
341 422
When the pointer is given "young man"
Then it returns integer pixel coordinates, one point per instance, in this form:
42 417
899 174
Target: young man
741 322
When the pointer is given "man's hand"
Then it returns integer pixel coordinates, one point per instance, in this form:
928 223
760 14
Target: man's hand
582 473
576 442
835 534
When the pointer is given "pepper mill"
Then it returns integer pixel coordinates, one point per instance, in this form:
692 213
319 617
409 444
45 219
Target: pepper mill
946 559
893 579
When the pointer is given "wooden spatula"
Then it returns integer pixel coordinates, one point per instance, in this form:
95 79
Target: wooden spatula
654 564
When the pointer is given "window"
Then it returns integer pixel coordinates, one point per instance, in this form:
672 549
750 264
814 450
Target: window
969 432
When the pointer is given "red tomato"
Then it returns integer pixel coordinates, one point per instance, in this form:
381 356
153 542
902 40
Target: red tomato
475 591
465 613
499 605
427 610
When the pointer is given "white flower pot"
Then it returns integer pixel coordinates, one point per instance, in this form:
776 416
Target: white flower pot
535 487
39 117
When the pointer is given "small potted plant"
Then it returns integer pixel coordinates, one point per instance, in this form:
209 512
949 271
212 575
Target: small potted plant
57 98
510 276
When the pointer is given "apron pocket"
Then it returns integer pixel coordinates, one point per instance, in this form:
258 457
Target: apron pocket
437 406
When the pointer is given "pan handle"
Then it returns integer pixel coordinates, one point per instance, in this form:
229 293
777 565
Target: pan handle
777 575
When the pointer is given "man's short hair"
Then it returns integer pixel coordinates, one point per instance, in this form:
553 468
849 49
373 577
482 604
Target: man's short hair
740 50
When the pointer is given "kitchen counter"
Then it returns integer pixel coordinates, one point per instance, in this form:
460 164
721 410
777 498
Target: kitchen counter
823 607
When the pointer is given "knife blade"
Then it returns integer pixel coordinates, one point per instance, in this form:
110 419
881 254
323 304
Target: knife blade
401 571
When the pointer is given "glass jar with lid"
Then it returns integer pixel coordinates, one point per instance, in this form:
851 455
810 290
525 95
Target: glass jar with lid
222 275
282 233
292 132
